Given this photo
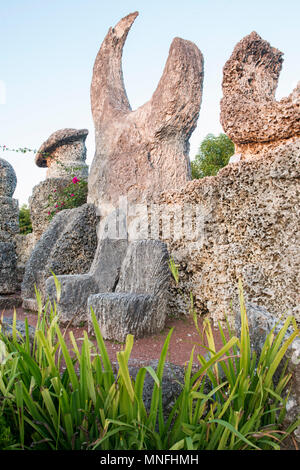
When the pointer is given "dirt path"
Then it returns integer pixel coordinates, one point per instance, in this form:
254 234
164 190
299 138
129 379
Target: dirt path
184 337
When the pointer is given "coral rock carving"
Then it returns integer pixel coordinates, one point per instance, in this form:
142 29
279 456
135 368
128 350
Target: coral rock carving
140 153
250 114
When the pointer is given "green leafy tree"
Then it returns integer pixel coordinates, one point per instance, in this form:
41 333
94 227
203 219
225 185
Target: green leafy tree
24 220
214 154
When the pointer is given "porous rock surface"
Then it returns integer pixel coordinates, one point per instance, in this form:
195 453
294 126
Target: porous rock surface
9 218
66 247
140 153
39 203
9 228
250 230
8 268
250 113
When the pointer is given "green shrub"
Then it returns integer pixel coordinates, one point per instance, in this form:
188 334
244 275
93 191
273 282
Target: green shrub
88 406
24 220
214 154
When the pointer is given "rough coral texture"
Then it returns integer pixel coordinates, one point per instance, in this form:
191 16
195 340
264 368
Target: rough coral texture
24 247
250 113
9 228
8 179
9 219
8 268
40 204
140 153
249 229
66 247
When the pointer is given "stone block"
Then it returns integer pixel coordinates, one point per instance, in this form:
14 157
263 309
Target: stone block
66 247
139 304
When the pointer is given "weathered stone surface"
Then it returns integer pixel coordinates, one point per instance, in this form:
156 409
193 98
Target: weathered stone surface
9 218
8 266
39 203
140 153
102 277
139 304
8 179
66 247
250 230
63 152
10 301
24 247
249 112
9 228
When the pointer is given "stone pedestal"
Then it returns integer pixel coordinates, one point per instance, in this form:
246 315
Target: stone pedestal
64 154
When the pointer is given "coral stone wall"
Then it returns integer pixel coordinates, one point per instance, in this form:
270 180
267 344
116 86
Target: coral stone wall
250 230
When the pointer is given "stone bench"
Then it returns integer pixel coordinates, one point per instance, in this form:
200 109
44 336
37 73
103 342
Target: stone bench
139 304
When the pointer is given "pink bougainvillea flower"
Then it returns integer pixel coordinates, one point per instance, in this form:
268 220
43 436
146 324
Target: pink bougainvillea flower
56 205
54 191
75 180
49 213
72 195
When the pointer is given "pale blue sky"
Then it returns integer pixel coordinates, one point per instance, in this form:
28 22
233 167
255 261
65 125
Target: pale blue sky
48 47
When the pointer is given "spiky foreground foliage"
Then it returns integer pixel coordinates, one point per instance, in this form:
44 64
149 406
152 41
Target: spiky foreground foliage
89 406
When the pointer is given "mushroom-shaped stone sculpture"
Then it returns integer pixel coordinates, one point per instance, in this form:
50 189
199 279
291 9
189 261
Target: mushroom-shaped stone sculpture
64 152
250 114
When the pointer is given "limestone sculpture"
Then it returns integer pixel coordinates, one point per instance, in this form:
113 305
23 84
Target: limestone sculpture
64 150
250 114
64 154
251 207
9 228
143 152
